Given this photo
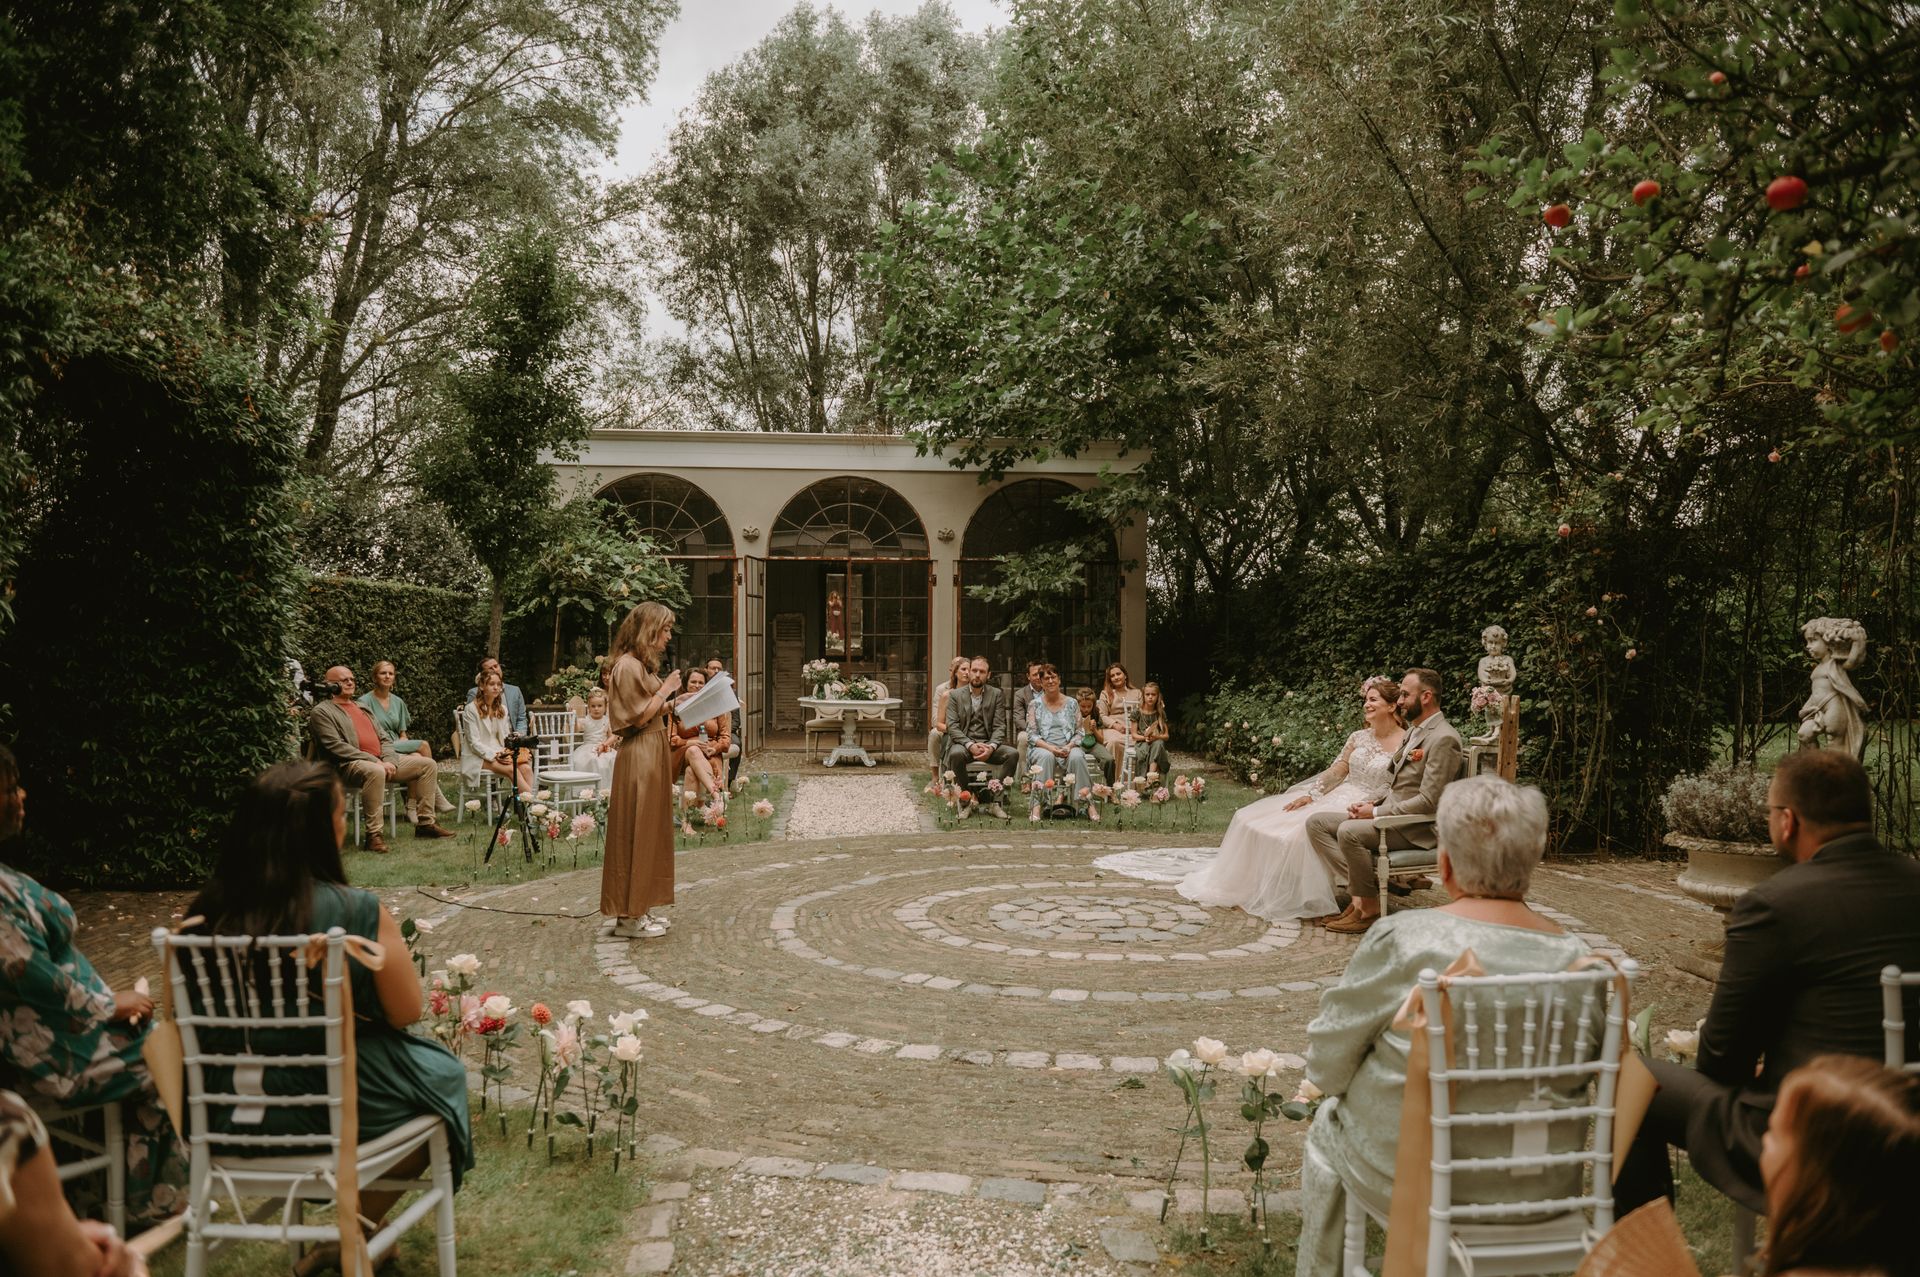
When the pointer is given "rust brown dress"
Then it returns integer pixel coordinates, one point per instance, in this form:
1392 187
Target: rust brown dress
638 871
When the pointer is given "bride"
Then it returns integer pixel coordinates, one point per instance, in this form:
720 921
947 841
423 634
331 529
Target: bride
1266 866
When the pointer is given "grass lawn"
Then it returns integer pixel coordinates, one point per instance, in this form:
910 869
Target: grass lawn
517 1216
458 861
1224 797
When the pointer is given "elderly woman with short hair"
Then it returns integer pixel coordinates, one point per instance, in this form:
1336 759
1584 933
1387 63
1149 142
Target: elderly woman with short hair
1491 836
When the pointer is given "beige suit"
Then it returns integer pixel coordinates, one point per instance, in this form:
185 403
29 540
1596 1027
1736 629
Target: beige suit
336 741
1348 846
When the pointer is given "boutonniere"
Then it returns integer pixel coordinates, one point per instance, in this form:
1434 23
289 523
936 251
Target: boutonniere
1415 755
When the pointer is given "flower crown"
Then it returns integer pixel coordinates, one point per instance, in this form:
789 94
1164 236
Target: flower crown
1371 680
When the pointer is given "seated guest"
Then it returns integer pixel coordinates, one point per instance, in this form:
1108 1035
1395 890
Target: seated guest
346 736
516 702
937 734
1055 748
1093 736
390 715
1150 733
1117 696
1024 696
694 747
39 1236
976 716
66 1039
484 728
716 666
1801 978
1492 834
280 874
597 744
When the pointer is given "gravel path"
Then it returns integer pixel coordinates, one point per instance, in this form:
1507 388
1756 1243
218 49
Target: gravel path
852 806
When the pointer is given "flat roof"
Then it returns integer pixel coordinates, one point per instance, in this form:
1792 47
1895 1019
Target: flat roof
789 450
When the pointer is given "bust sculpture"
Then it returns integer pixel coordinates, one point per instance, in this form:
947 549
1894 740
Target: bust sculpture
1497 673
1835 712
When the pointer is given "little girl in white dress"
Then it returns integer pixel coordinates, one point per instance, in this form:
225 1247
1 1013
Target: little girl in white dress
597 746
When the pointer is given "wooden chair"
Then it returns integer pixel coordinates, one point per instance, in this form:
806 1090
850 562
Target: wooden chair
228 995
1562 1032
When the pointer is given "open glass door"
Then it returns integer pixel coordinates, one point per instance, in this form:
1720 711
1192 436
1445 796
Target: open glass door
753 663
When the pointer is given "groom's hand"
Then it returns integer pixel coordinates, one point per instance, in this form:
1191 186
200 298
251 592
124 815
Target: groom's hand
1360 811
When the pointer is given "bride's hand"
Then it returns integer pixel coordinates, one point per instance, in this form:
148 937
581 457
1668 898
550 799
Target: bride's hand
1298 803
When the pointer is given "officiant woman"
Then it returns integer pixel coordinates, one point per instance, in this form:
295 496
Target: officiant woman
637 876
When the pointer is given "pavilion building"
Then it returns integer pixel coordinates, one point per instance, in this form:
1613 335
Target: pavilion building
858 549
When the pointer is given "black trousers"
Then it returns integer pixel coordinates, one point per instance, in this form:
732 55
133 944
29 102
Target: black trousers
1000 761
1711 1122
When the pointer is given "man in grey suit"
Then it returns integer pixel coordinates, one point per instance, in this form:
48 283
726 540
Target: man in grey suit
976 717
1427 761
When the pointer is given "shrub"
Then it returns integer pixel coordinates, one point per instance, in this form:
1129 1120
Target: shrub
1273 736
1724 803
434 637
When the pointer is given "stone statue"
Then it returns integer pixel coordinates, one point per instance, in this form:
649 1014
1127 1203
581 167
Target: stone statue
1497 673
1835 710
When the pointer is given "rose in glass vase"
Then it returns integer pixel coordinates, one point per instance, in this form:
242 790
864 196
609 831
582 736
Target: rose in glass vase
819 674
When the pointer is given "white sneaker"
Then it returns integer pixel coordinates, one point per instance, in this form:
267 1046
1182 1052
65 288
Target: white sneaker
626 928
655 920
652 929
966 810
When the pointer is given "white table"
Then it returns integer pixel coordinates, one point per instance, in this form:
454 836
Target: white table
849 712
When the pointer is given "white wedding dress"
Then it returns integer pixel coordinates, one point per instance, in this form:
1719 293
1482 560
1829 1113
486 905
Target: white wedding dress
1265 865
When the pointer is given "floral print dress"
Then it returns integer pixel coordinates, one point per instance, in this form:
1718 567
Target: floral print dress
60 1046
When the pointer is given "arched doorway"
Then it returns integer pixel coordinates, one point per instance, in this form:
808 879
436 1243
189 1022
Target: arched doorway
1084 635
680 516
848 580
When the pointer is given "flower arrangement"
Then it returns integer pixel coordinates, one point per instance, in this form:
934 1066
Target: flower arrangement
860 689
819 673
1193 1073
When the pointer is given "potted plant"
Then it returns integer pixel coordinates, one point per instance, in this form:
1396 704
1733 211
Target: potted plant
1718 817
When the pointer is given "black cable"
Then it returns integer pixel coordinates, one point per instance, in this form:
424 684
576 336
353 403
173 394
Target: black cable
518 913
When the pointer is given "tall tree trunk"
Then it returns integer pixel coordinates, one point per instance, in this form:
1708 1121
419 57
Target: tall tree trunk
496 612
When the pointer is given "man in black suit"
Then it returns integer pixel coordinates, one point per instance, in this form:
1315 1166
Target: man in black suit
976 717
1801 978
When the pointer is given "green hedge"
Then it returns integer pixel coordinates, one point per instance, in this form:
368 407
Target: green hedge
434 637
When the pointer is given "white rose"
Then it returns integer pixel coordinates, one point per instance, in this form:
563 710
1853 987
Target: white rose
544 794
1209 1050
473 804
1259 1063
580 1008
587 794
464 964
1035 770
1180 1061
1684 1043
497 1007
538 809
1307 1093
422 924
627 1049
621 1023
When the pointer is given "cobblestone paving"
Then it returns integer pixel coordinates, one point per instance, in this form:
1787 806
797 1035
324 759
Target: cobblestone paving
947 1036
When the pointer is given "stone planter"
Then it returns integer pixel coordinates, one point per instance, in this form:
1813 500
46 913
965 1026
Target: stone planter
1718 874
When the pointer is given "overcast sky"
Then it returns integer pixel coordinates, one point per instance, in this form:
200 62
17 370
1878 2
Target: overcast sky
709 34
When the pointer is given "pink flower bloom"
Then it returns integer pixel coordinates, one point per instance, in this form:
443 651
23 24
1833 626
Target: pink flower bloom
566 1045
470 1015
763 809
1160 795
584 824
503 840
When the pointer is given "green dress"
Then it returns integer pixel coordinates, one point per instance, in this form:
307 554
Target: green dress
401 1075
393 720
1356 1059
60 1046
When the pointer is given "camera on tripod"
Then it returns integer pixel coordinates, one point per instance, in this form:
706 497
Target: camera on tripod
522 740
319 687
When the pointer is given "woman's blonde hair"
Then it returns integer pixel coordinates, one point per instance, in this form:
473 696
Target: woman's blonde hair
497 708
639 635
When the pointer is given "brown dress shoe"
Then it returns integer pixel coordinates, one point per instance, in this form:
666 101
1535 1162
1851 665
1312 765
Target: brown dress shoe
427 829
377 843
1325 918
1353 924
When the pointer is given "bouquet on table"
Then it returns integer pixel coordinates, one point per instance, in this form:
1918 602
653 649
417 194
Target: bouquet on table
860 689
819 673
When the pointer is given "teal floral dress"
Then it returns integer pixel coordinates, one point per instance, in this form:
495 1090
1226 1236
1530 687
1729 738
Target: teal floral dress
60 1046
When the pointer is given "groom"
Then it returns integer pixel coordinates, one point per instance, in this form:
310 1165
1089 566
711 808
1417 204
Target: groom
1427 760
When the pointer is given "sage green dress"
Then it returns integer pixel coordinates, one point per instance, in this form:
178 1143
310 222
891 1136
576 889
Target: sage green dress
1360 1064
400 1075
393 719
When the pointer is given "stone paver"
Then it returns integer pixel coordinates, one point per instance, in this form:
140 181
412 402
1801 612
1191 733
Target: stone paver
1129 1246
933 1182
650 1257
854 1173
1025 1192
783 1167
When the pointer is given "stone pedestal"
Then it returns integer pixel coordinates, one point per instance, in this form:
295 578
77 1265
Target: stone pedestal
1718 874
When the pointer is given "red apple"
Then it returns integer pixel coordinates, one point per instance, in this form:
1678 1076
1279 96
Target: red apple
1556 215
1565 530
1644 191
1717 79
1786 192
1802 271
1889 340
1851 320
